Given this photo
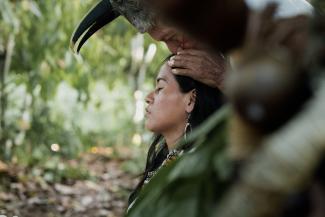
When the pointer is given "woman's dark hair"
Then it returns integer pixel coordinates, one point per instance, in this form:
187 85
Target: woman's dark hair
207 101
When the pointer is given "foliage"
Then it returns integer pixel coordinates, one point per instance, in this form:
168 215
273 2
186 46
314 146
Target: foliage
41 60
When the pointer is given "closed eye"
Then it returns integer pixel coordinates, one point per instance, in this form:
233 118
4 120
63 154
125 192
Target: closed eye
158 89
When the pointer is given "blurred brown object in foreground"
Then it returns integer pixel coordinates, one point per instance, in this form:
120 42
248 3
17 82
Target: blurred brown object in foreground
267 83
268 70
281 61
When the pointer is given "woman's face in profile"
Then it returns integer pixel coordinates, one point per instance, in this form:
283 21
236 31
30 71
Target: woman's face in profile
166 110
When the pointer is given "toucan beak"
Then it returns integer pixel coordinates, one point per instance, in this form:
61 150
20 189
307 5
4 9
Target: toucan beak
97 17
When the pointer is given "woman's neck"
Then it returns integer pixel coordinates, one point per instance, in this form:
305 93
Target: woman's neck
173 136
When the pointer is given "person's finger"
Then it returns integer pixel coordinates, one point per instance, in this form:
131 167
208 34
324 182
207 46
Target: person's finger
201 54
192 74
184 61
192 52
184 72
187 57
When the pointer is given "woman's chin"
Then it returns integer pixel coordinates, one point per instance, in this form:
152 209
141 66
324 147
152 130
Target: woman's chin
150 127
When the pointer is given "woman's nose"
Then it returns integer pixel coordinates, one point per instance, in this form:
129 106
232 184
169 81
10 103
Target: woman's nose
149 98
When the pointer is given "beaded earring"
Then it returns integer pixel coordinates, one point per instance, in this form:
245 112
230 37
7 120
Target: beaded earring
188 126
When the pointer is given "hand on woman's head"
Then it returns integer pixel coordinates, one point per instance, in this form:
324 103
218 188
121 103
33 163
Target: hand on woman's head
201 66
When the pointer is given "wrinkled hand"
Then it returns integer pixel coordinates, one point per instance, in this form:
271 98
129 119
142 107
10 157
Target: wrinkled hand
200 65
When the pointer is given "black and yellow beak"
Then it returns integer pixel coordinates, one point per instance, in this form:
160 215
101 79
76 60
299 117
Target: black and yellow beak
97 17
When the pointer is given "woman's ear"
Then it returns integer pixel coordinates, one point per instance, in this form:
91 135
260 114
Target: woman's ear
190 101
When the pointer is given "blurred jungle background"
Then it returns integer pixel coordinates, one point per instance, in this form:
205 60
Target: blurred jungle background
72 140
71 136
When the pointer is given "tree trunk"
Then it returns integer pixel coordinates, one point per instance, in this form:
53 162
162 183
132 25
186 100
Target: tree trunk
5 62
2 97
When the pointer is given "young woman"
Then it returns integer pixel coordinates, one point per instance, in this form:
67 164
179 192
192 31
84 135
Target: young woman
176 106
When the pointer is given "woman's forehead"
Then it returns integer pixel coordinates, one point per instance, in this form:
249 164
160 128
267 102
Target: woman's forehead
165 73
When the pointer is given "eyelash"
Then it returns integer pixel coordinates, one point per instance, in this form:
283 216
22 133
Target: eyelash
158 89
